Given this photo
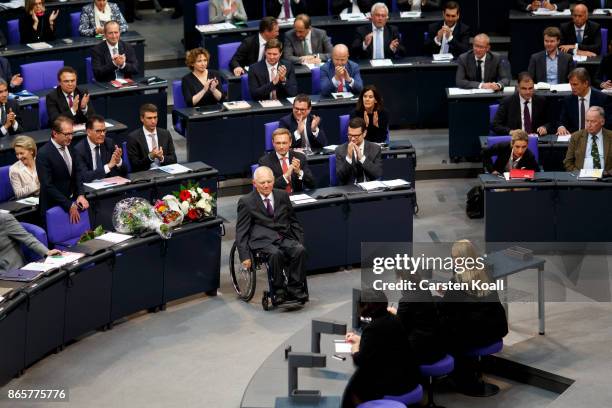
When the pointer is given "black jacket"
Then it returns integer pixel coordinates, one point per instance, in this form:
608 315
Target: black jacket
13 105
604 71
289 122
537 66
390 33
503 152
102 61
570 115
508 116
372 167
274 8
591 37
459 44
43 32
247 53
271 160
376 134
138 150
191 85
84 162
260 84
58 105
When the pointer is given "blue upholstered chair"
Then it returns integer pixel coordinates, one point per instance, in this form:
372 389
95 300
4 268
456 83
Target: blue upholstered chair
39 234
6 189
244 87
344 121
125 157
333 180
316 80
383 403
40 75
225 53
14 36
43 117
60 232
492 112
269 128
201 10
75 21
483 389
179 103
409 398
438 369
604 42
89 74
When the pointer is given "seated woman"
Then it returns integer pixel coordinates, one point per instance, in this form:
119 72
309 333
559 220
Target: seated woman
370 108
22 173
93 17
512 155
226 10
385 363
202 86
37 24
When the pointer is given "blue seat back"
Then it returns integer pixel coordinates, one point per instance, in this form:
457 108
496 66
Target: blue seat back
6 189
269 128
39 234
244 87
177 95
60 232
14 36
125 157
89 75
532 144
344 121
40 75
604 42
201 9
225 54
492 112
394 7
75 21
316 80
333 180
43 118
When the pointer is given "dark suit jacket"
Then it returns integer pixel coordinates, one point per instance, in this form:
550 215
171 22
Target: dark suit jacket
260 84
328 71
102 62
84 161
503 152
372 166
604 71
390 33
508 116
57 186
138 150
496 70
5 71
537 66
42 33
14 106
255 229
561 4
319 43
364 5
591 37
2 39
271 160
247 53
459 44
58 105
574 158
274 8
289 122
570 115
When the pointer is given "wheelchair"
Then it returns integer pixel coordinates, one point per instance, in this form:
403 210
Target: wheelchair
245 280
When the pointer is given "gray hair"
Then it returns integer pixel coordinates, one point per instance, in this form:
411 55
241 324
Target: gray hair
379 5
3 82
261 170
599 110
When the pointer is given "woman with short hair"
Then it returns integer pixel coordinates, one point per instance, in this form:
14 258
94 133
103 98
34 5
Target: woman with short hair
202 86
22 174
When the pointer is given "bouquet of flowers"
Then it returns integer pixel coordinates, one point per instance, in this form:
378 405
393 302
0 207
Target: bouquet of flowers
135 215
195 202
169 209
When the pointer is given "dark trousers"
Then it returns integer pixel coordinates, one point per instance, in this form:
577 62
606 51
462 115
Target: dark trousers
289 255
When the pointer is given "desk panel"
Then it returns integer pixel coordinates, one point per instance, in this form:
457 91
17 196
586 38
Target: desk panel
13 318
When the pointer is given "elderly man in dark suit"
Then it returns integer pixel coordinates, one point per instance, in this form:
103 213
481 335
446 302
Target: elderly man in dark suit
273 77
378 40
358 160
449 35
339 74
267 223
251 49
57 172
306 44
480 68
551 65
150 147
303 126
67 99
523 110
590 148
97 157
9 120
113 59
581 36
285 9
290 168
574 107
532 5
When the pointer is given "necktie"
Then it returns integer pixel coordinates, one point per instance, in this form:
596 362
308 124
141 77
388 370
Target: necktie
269 208
272 75
378 49
66 158
3 115
307 50
479 71
99 163
582 113
287 9
444 46
595 154
527 119
579 36
359 173
341 86
118 73
70 100
285 166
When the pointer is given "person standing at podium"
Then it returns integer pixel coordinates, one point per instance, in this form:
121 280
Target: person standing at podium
358 160
590 148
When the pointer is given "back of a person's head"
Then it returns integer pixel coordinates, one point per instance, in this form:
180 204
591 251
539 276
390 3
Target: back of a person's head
466 250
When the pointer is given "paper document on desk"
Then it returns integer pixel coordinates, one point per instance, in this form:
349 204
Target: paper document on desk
396 183
330 148
175 169
460 91
63 259
410 14
38 266
561 88
80 127
290 99
590 174
353 17
580 58
381 62
312 66
602 11
98 184
207 28
29 201
298 199
285 22
542 86
273 103
236 105
563 138
4 211
372 185
39 45
509 89
342 95
342 347
442 57
114 237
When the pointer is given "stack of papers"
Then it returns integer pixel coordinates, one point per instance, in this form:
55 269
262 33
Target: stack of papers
298 199
29 201
107 182
342 95
272 103
460 91
509 89
382 185
561 88
114 237
285 22
175 169
80 127
547 12
590 174
580 58
39 46
542 86
353 17
236 105
38 266
312 66
602 11
330 148
564 138
410 14
207 28
442 57
60 260
342 347
381 63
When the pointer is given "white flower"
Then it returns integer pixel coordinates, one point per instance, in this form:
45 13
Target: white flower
200 191
207 208
185 207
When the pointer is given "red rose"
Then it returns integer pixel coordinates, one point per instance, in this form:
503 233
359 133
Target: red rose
207 190
192 214
185 195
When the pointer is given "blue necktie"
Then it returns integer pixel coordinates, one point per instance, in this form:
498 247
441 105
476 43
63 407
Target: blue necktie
379 52
579 36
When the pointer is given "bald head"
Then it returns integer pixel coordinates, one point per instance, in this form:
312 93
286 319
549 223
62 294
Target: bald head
580 14
481 45
340 55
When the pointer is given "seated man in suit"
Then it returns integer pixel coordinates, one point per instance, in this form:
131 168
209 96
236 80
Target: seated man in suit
97 156
378 40
57 172
113 59
285 10
551 65
290 168
251 49
339 74
12 236
533 5
480 68
9 121
358 160
513 155
150 147
450 35
581 36
306 44
522 110
272 78
14 81
590 148
304 127
574 107
67 99
267 223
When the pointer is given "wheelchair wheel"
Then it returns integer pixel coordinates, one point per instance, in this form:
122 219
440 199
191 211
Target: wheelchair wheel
244 280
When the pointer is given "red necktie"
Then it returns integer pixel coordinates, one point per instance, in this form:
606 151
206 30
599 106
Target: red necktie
70 102
341 86
285 166
287 8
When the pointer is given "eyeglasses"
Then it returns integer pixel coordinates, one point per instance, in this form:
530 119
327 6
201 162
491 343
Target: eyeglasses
67 134
300 109
100 131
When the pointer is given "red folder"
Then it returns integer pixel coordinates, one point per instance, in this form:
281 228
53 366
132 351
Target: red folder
521 174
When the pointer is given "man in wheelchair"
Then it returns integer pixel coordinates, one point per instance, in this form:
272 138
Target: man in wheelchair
267 224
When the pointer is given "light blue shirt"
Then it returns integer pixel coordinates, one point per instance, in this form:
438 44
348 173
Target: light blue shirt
588 159
552 68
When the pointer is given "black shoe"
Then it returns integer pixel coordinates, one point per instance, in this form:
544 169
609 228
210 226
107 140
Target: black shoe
280 296
298 294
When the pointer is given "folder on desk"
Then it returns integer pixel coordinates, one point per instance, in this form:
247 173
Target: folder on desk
20 275
522 174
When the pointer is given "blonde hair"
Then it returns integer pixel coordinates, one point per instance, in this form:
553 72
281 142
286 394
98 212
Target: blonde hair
518 135
192 56
26 142
465 249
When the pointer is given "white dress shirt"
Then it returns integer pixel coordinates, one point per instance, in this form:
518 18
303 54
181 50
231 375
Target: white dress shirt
92 150
149 138
361 154
529 107
61 153
262 44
